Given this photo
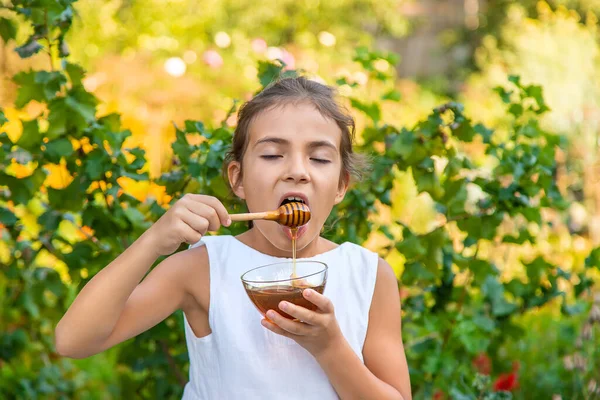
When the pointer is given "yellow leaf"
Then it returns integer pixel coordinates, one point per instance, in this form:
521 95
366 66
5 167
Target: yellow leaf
59 176
20 170
13 127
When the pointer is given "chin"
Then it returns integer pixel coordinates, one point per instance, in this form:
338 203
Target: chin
281 238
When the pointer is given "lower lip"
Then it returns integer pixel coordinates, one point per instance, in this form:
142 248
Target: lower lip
288 231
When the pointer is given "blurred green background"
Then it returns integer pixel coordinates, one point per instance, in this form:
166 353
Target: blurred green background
161 63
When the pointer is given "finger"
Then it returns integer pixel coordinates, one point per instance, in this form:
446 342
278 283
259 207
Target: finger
189 235
323 303
274 328
218 206
293 327
307 316
195 221
207 212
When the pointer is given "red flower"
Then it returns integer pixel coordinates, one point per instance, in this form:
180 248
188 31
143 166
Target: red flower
482 364
438 395
507 382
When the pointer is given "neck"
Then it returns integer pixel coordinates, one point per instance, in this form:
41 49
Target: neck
255 239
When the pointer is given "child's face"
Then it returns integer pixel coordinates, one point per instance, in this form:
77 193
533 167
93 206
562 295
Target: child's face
292 151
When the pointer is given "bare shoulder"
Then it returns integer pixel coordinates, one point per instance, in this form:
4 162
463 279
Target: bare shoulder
191 269
386 298
385 274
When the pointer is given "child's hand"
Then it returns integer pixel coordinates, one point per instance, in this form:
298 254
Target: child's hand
187 221
318 331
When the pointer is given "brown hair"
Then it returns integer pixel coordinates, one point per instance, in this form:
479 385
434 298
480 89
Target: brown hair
296 90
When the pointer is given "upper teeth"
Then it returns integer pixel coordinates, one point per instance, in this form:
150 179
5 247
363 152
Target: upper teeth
292 198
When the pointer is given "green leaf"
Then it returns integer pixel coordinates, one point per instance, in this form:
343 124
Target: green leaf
140 158
28 89
97 164
524 236
181 146
75 72
344 81
74 112
57 118
481 269
68 199
484 323
485 133
537 269
516 110
31 138
3 118
515 79
196 127
415 272
428 181
30 48
195 169
470 337
136 218
7 218
456 394
83 104
81 254
371 110
58 148
593 260
112 122
504 94
572 309
517 288
50 220
585 282
8 29
393 95
28 303
481 227
173 181
116 139
22 190
494 292
536 92
268 72
410 246
50 280
51 83
37 85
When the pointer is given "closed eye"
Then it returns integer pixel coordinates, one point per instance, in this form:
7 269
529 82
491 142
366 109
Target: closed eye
270 156
321 160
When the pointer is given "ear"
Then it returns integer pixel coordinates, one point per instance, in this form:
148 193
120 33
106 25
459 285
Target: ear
342 188
234 173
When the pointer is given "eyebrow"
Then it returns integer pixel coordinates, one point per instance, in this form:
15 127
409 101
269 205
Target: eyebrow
281 141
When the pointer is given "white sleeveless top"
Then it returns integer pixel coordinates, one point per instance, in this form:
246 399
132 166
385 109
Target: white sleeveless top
241 359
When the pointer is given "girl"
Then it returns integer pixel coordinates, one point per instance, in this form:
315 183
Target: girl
292 140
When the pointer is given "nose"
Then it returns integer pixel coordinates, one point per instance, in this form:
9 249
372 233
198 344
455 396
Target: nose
296 170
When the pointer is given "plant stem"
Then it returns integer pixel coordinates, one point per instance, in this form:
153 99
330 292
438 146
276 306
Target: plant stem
48 40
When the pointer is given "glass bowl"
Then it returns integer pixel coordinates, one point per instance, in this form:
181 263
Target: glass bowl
270 284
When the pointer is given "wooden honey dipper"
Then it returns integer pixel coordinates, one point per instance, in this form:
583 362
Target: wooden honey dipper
291 215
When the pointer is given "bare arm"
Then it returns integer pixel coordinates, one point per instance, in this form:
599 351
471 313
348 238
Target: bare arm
114 306
384 375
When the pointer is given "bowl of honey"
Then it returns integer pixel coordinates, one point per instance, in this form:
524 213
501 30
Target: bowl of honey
268 285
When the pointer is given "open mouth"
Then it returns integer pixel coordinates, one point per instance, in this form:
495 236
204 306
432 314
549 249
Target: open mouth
292 199
301 229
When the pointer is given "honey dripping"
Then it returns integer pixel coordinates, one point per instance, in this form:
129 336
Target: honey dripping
294 237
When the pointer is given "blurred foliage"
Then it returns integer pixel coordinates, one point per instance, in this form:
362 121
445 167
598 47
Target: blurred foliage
471 218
